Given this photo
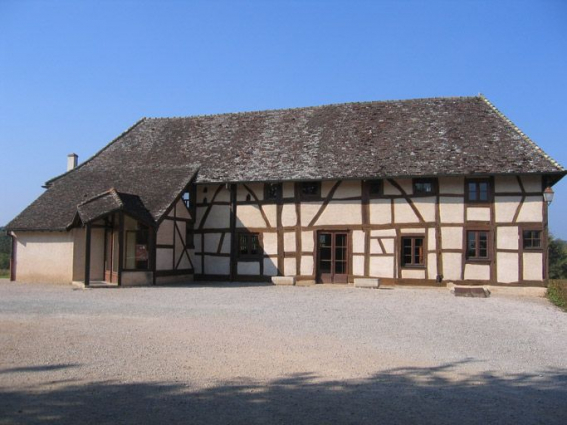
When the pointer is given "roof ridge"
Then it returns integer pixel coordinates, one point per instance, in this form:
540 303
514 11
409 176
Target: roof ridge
258 111
520 132
50 181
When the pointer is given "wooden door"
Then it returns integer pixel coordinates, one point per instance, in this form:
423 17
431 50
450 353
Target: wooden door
332 257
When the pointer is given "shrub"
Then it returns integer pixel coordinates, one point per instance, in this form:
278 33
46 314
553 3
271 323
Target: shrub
557 292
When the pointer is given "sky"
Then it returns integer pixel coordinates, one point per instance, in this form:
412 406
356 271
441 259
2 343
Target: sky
75 74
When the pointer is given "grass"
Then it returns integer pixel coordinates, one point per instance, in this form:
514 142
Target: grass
557 293
4 274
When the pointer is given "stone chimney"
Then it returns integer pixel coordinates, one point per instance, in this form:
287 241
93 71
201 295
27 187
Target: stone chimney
72 159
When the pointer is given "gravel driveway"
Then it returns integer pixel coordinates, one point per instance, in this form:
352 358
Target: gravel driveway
247 354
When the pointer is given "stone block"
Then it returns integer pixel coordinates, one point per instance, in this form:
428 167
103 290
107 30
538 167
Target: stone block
471 291
366 283
283 280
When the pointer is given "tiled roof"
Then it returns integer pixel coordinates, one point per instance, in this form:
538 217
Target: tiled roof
422 137
110 201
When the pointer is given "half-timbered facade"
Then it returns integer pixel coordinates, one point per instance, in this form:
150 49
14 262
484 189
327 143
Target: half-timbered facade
423 191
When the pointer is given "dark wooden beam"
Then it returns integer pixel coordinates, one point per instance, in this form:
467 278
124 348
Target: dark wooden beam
88 254
153 252
120 246
233 243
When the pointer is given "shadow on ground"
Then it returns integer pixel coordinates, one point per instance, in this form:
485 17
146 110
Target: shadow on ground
398 396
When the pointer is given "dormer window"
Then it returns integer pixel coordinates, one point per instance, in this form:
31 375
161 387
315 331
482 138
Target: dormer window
186 198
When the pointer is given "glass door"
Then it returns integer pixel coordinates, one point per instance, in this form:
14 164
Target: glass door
332 254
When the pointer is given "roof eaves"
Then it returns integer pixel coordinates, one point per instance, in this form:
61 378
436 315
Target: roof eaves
521 133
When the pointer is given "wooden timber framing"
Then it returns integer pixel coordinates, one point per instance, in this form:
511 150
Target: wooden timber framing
279 219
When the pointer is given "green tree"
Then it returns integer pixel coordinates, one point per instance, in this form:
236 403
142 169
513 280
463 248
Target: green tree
557 258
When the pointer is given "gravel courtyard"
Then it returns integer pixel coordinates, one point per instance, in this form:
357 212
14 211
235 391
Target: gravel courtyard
255 354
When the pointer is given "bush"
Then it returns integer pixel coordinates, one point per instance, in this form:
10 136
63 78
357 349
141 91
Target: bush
557 293
557 258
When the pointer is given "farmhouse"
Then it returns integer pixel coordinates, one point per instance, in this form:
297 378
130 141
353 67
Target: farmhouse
415 191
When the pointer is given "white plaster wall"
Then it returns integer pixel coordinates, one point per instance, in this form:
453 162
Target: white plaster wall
413 273
248 216
165 233
184 263
97 254
507 267
219 217
290 267
288 190
532 209
452 266
271 214
44 257
505 208
431 266
375 247
403 213
383 232
197 241
249 268
308 212
197 264
164 260
426 207
382 267
389 189
452 185
478 214
270 266
506 184
389 245
347 189
307 241
507 237
289 242
477 272
256 188
181 210
226 244
380 211
532 183
411 230
431 242
358 265
451 210
212 241
217 265
406 185
307 265
452 238
289 217
358 241
270 243
533 266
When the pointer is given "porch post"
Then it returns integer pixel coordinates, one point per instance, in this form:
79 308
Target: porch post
88 254
233 243
12 258
152 251
120 246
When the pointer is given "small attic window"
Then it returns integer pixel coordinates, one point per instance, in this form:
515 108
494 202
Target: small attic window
186 198
310 190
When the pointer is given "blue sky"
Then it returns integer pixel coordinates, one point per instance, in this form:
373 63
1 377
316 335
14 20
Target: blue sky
74 75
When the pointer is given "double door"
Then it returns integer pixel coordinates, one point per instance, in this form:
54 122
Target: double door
332 257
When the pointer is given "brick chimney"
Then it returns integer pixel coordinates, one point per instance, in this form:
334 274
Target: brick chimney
72 159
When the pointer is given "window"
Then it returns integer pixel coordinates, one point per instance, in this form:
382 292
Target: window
249 245
477 245
310 190
478 190
272 191
136 256
186 198
374 188
424 186
531 239
412 251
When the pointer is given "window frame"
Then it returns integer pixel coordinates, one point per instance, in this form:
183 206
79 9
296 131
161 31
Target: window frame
489 193
141 229
279 194
523 230
309 197
249 238
476 258
434 186
413 265
368 188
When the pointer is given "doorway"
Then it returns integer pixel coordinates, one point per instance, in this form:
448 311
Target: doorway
111 255
332 257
